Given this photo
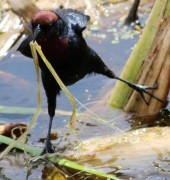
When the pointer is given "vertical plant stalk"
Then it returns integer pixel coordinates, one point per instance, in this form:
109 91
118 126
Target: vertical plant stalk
156 68
121 92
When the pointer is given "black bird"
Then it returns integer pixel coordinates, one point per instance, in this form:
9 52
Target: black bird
59 33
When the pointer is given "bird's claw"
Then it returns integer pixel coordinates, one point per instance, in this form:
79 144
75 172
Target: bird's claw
143 97
48 148
144 89
151 87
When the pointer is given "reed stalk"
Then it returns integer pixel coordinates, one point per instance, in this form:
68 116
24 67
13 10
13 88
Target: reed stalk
121 92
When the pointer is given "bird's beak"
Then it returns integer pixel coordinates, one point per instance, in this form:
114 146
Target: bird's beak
36 32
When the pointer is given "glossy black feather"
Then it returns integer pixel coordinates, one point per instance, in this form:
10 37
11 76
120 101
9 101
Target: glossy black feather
65 48
72 61
73 19
24 47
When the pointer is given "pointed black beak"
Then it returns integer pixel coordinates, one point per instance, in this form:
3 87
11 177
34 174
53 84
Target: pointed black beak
36 32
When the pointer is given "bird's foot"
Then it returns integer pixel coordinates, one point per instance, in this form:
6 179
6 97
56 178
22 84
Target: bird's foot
48 148
144 90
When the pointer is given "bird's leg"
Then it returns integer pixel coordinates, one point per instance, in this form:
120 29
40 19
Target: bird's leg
141 89
48 145
51 111
51 89
101 68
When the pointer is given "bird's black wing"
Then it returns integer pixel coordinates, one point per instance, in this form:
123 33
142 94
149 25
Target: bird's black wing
96 64
24 47
73 19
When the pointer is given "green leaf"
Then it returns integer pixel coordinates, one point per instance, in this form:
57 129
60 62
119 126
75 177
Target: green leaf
16 110
54 158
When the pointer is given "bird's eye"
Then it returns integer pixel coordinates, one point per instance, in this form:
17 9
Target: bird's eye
44 27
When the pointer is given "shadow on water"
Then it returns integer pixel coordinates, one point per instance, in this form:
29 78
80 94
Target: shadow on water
19 88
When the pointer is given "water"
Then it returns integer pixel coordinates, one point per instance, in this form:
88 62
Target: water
19 88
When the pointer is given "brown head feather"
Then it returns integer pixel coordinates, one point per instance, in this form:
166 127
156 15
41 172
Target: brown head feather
44 17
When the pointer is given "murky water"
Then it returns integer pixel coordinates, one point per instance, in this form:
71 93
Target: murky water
19 88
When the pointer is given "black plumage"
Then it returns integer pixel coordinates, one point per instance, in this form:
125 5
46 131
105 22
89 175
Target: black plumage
59 32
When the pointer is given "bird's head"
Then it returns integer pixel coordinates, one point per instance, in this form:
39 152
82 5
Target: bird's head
46 24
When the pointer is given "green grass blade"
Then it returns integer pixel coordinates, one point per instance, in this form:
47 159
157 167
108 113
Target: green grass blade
73 165
55 159
17 110
33 151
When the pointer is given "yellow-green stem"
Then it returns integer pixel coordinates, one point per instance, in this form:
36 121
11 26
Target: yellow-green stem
121 91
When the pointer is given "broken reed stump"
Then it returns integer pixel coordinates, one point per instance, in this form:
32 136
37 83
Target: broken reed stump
148 64
24 9
156 69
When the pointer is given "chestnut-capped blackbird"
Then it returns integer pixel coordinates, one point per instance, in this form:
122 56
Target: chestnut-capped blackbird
59 33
